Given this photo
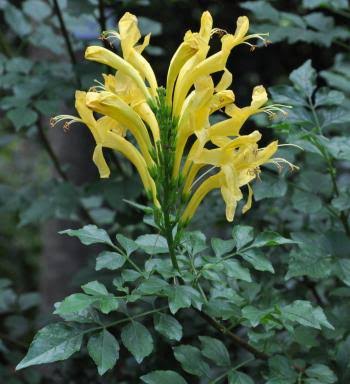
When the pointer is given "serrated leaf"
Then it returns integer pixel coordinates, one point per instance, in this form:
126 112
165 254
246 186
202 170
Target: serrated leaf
168 326
55 342
109 260
94 288
178 298
304 313
270 239
242 235
304 78
74 303
215 350
239 378
152 244
163 377
191 360
320 374
137 339
222 247
257 259
89 234
129 245
151 286
104 350
232 268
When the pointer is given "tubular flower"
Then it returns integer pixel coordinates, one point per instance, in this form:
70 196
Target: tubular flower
160 122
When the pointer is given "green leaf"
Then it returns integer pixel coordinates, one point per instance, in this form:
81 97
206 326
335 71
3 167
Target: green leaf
74 303
320 374
281 371
94 288
306 202
22 117
89 234
215 350
55 342
104 350
257 259
16 20
221 247
152 244
304 78
168 326
242 235
302 312
36 9
163 377
191 360
239 378
270 239
129 245
194 242
270 187
137 340
108 303
342 270
109 260
178 298
151 286
232 268
256 316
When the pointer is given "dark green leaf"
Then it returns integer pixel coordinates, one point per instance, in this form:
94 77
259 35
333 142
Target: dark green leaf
109 260
163 377
320 374
36 9
89 234
94 288
191 360
129 245
151 286
232 268
55 342
74 303
221 247
104 350
22 117
152 244
242 235
239 378
257 259
137 340
270 239
168 326
304 78
215 350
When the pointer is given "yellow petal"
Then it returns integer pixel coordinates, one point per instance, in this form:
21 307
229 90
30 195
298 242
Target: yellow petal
241 29
248 204
225 81
100 162
86 114
208 185
110 105
259 97
105 56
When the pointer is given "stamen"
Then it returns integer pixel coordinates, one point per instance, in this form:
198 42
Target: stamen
279 162
71 119
218 31
202 175
291 145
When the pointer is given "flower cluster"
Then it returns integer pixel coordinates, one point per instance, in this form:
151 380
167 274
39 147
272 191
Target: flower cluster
179 154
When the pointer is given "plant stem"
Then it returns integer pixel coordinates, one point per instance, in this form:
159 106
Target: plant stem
219 378
234 338
136 267
67 41
126 319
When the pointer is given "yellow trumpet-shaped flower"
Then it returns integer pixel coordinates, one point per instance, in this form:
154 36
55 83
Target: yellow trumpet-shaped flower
161 123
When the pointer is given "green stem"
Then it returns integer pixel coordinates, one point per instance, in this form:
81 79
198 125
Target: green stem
131 262
67 41
219 378
126 319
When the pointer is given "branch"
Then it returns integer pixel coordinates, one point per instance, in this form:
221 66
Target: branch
67 40
84 213
234 338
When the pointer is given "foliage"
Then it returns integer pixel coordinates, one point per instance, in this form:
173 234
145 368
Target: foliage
262 301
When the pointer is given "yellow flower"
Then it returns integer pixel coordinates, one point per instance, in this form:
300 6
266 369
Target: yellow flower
162 122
